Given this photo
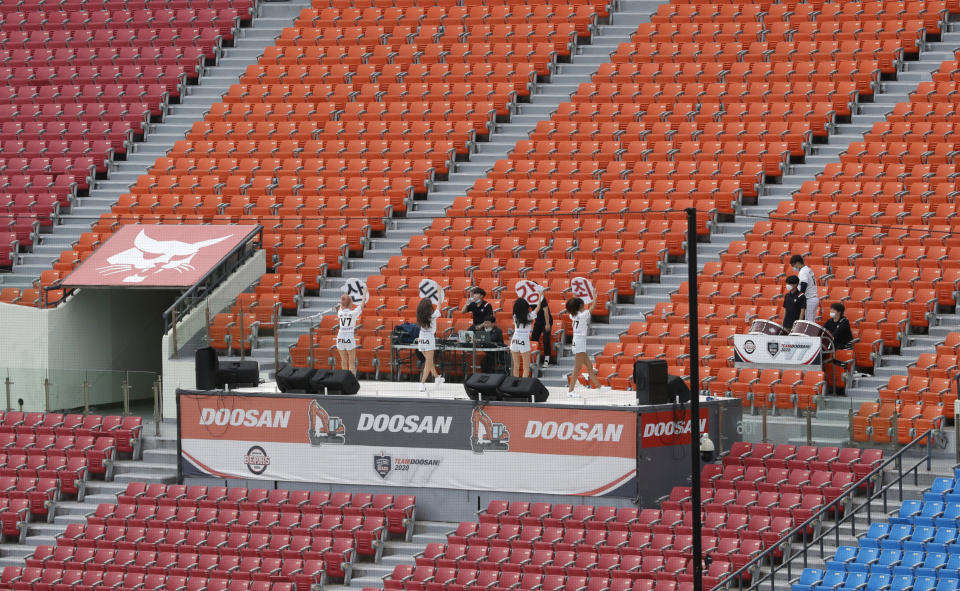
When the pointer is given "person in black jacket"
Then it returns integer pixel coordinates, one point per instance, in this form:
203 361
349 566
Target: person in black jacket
541 330
481 310
839 327
794 303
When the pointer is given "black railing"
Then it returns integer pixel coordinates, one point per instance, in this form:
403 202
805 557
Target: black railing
875 487
232 261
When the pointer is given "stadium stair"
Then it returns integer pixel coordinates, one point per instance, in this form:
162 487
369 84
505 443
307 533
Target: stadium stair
544 101
158 465
249 44
891 92
942 472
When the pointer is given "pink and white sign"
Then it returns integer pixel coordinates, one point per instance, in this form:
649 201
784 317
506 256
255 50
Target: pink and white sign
529 291
583 289
157 256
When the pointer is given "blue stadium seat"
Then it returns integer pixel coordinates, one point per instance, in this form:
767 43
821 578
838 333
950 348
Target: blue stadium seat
878 582
953 563
832 579
888 559
809 578
900 531
864 558
944 537
951 512
946 584
939 488
908 510
844 555
922 534
878 531
901 582
931 510
925 583
933 562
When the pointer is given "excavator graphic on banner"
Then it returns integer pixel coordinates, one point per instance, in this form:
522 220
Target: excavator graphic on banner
487 435
323 428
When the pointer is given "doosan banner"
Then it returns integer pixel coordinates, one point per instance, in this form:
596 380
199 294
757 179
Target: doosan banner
404 442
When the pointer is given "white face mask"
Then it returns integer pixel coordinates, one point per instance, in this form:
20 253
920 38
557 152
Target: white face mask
834 315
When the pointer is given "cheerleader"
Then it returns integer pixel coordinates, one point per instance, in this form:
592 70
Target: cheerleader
580 315
348 314
427 315
523 318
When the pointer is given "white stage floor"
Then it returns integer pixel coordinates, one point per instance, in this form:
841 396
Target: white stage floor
558 396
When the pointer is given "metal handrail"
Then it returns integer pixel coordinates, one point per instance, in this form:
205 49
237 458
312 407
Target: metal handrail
190 298
818 517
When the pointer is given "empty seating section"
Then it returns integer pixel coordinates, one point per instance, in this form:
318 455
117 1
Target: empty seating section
48 456
354 113
176 536
79 81
751 501
917 549
704 105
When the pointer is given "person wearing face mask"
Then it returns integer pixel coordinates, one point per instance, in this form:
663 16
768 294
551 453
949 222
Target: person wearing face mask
808 287
481 309
794 302
839 327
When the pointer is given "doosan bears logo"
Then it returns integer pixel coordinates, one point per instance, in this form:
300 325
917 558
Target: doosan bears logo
149 256
256 460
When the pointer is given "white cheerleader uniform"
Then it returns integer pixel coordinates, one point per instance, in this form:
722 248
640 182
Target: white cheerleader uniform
427 340
581 328
348 325
520 343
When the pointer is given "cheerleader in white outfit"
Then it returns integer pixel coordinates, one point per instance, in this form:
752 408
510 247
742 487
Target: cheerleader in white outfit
523 319
427 315
580 315
348 314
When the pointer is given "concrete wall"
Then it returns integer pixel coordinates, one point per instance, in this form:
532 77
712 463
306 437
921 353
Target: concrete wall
179 372
102 337
97 336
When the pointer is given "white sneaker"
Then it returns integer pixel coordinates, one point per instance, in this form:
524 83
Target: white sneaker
572 394
546 361
439 380
422 388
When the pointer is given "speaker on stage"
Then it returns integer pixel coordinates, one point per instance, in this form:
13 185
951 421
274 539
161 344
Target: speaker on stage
294 379
484 385
524 389
315 383
338 381
650 378
677 389
237 374
206 368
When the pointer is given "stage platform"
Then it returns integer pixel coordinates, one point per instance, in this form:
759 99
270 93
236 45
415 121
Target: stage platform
558 396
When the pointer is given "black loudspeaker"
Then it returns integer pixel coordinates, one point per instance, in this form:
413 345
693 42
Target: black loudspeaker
340 381
650 377
677 388
206 368
523 388
236 374
316 381
294 379
485 385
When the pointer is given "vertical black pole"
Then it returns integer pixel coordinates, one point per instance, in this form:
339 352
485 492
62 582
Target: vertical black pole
694 397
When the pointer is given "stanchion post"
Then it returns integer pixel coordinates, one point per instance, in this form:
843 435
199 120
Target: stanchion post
46 394
276 341
241 333
85 387
809 416
125 390
850 422
8 386
719 444
763 414
694 396
173 331
156 406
